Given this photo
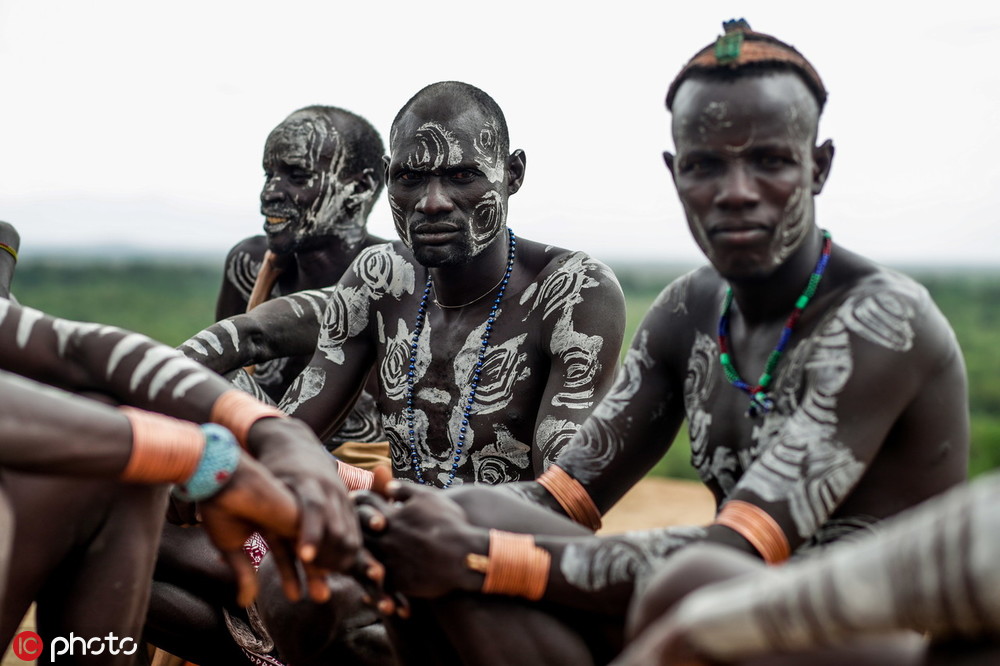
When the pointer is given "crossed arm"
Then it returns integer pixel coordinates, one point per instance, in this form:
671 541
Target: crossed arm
84 358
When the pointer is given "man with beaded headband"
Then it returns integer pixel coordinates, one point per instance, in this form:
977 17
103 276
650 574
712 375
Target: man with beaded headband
84 547
489 349
859 410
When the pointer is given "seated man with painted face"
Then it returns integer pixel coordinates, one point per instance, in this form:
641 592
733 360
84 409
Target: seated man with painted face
83 548
822 393
323 174
488 348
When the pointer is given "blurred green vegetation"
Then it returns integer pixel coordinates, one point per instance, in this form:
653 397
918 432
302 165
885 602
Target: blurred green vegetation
172 300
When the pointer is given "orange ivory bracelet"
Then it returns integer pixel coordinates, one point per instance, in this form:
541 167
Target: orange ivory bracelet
353 477
758 527
572 497
238 411
164 449
514 566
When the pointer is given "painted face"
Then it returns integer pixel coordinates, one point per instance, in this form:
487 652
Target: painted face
745 169
447 185
303 200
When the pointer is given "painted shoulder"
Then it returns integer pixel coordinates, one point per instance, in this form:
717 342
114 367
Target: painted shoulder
690 293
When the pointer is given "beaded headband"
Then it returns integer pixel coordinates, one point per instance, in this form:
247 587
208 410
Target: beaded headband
740 47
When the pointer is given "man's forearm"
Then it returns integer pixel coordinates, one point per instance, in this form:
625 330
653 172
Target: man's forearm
287 326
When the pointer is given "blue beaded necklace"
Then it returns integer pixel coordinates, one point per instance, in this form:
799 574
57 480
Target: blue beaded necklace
418 326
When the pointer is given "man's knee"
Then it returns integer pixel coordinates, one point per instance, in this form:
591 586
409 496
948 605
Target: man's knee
683 572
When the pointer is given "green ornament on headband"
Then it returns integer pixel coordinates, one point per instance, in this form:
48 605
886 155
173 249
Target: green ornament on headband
728 45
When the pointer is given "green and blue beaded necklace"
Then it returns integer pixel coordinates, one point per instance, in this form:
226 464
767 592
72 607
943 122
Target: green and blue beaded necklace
760 401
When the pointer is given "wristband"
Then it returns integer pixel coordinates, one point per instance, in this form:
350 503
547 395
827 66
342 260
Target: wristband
758 527
572 497
353 477
164 449
238 411
514 566
215 470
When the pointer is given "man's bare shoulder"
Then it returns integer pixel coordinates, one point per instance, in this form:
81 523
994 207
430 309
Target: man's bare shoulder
690 294
547 261
253 247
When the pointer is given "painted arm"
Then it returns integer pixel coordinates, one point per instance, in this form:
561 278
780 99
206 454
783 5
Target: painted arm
91 439
286 326
931 569
883 365
10 244
582 312
87 358
636 421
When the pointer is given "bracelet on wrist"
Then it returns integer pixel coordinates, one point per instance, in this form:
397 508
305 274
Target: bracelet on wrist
219 461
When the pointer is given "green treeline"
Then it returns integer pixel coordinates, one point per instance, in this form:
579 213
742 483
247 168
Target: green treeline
170 301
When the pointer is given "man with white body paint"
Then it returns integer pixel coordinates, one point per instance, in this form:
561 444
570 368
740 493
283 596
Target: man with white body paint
822 393
488 348
84 547
323 174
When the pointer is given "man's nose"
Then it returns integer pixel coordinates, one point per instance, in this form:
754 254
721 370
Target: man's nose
738 189
435 199
271 192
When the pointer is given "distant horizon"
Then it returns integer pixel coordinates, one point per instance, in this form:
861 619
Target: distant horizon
132 253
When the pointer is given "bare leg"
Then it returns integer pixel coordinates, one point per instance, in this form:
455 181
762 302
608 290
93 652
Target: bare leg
84 550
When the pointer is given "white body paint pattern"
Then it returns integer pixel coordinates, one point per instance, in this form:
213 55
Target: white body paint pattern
307 385
500 462
156 364
701 377
796 457
557 296
603 434
241 272
382 272
489 157
596 564
552 434
436 147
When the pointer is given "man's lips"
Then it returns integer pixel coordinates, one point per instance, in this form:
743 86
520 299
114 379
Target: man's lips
275 223
435 234
739 233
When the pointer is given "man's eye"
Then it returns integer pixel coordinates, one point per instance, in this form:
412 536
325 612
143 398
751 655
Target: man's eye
463 176
300 175
698 166
409 177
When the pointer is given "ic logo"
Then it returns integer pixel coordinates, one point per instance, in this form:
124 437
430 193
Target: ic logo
27 646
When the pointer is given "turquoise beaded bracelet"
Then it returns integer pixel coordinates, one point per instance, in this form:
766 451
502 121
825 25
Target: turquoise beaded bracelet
218 462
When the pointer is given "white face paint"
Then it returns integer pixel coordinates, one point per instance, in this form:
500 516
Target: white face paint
434 147
304 196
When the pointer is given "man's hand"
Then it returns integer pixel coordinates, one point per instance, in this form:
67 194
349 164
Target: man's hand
252 501
422 538
329 538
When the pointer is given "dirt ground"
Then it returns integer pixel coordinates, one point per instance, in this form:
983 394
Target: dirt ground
653 502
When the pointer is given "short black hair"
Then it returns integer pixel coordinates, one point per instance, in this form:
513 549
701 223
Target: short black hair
463 91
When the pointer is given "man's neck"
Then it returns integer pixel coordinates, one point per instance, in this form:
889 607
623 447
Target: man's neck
454 285
322 265
763 300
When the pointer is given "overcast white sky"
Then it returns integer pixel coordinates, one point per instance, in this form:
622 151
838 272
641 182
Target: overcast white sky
138 123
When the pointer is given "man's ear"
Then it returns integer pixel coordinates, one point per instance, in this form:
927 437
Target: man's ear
361 188
822 161
515 171
385 169
668 159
